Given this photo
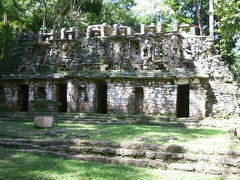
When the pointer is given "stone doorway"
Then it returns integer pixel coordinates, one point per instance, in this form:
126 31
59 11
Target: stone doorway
61 96
23 97
139 96
183 101
101 89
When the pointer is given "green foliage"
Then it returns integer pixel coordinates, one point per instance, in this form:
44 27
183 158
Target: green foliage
119 12
228 30
184 11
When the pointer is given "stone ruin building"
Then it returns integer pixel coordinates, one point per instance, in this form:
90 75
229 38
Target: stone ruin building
111 69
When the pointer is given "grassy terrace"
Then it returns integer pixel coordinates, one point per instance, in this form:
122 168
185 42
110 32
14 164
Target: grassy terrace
161 135
15 166
155 134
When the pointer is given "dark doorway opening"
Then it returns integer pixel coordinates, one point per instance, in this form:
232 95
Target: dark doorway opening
61 96
101 88
183 101
23 97
139 95
41 93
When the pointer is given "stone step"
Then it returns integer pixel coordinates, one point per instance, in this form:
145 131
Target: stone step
125 144
96 143
105 151
214 159
137 154
201 167
90 120
125 149
71 115
100 116
128 122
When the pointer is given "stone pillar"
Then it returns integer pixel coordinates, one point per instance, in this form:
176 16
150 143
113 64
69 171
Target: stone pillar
91 92
88 34
76 33
49 91
160 27
175 26
11 97
102 29
143 29
31 92
193 31
52 34
63 33
40 36
71 100
129 31
115 30
71 33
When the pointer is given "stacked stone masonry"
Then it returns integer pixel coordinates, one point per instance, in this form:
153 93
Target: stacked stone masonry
112 69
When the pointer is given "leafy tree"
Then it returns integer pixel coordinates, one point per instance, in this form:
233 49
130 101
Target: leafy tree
13 18
119 12
66 13
228 29
193 12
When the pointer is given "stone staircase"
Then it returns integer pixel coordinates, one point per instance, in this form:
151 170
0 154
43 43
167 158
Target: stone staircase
86 118
172 157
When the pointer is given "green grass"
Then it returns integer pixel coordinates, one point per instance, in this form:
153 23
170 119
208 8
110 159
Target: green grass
15 166
155 134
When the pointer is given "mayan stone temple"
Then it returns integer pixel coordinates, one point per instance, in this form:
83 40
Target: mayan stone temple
112 69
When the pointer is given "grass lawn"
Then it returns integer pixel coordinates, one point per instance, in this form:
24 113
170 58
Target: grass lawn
202 136
157 134
16 166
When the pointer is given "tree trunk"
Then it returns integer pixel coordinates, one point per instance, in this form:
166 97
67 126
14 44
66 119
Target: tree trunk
198 17
4 41
211 18
45 15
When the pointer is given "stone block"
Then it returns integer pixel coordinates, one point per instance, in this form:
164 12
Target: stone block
43 121
181 166
157 164
150 155
136 162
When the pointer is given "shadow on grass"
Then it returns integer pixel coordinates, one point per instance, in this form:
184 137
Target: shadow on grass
15 165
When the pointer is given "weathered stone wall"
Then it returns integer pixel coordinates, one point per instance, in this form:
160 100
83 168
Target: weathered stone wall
197 101
120 97
223 99
222 92
160 98
11 96
81 96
